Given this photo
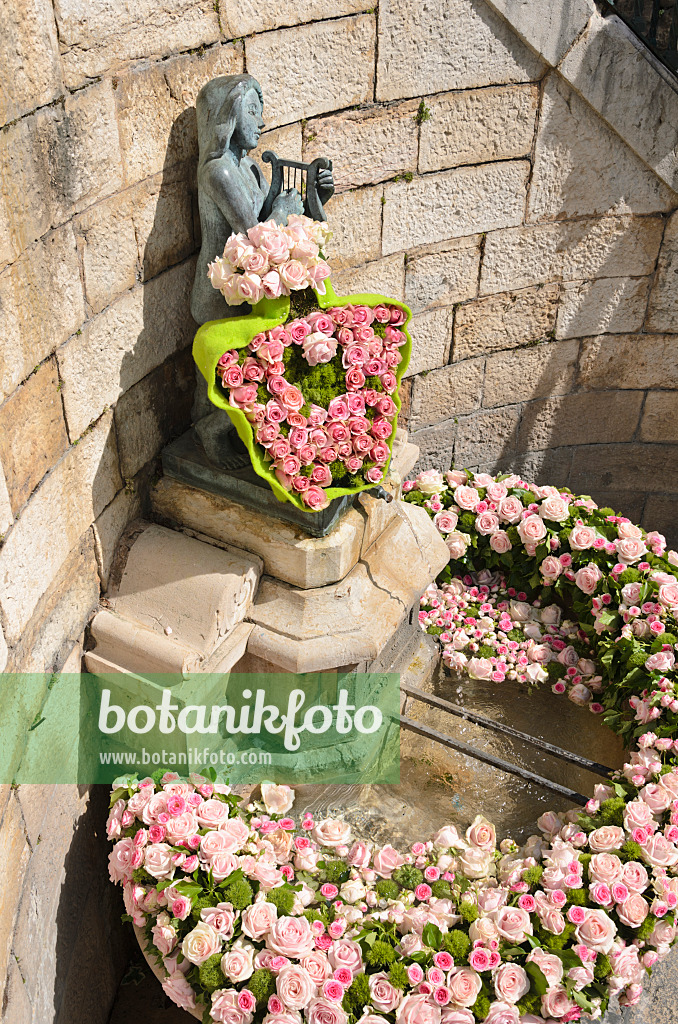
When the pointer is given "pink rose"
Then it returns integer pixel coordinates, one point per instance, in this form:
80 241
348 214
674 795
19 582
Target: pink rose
656 797
550 965
556 1002
588 577
581 538
661 661
158 860
630 550
446 522
237 962
332 832
668 595
480 668
481 833
464 984
531 529
633 911
226 1008
554 509
606 868
510 509
122 860
606 839
386 860
295 987
221 917
384 996
416 1009
346 953
551 568
179 991
325 1011
201 943
512 923
291 937
499 542
659 852
318 966
258 919
466 497
164 935
597 931
318 348
486 523
271 285
511 983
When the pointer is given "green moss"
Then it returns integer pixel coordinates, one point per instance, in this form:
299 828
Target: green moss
262 984
468 911
408 877
397 975
629 576
239 894
200 903
211 974
335 871
282 899
456 943
631 850
531 1003
603 967
380 954
387 889
515 634
441 889
313 914
485 651
481 1007
533 875
555 671
356 996
578 897
637 659
612 811
646 928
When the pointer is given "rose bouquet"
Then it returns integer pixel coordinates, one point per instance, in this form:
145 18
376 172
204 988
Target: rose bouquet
310 380
272 260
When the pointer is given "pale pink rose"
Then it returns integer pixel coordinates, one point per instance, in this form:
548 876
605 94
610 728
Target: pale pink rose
383 994
318 348
606 839
158 860
531 529
325 1011
332 832
635 877
663 935
483 929
637 814
551 615
250 288
315 498
487 523
630 550
164 934
179 991
416 1009
661 661
201 943
511 983
656 797
554 509
446 522
550 965
476 863
540 654
152 808
181 827
267 873
236 834
588 577
481 833
502 1013
221 917
291 937
457 544
271 285
257 920
466 497
606 868
520 611
122 860
457 1017
480 668
346 953
226 1008
295 987
556 1002
631 593
445 838
659 852
430 481
499 542
237 962
464 984
317 965
668 595
512 923
495 491
629 530
386 860
552 920
670 782
597 930
510 509
581 538
359 855
551 568
455 477
633 911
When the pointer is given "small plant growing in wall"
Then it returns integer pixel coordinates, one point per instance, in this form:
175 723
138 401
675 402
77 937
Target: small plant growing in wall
422 114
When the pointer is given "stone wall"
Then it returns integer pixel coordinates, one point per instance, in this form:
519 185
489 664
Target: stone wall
506 168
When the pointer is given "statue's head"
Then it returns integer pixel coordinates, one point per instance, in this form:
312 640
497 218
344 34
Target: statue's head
229 108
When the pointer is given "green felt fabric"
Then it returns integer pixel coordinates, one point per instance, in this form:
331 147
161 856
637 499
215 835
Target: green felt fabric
218 336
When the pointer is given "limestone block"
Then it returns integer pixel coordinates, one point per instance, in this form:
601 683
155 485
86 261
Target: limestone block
662 310
542 467
436 446
548 29
65 504
368 145
487 437
156 109
110 525
610 305
384 277
378 514
628 361
477 126
197 590
163 223
328 65
285 141
431 334
530 373
570 251
6 515
444 277
57 161
430 48
243 17
124 343
288 553
29 57
60 615
581 419
32 432
3 651
622 80
109 250
350 621
15 853
15 997
582 167
450 391
660 514
453 204
155 409
505 321
355 219
41 304
660 417
609 465
99 35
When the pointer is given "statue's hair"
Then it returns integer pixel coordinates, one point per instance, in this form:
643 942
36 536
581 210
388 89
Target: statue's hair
219 102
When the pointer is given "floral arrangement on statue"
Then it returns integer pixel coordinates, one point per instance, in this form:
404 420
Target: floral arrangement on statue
310 380
272 260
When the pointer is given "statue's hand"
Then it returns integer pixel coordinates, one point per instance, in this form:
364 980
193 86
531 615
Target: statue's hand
285 204
325 185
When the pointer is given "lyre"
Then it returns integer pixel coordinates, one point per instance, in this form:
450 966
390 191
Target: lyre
284 175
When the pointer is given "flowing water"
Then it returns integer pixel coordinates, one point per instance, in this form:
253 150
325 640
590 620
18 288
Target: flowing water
438 785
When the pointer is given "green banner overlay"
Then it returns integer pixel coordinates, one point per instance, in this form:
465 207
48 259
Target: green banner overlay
248 728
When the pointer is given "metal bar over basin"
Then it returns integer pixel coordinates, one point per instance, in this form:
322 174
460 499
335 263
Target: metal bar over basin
489 723
495 762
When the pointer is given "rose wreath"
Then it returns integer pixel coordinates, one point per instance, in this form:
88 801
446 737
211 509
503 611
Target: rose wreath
309 380
253 916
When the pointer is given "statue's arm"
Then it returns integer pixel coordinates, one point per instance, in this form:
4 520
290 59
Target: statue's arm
236 203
